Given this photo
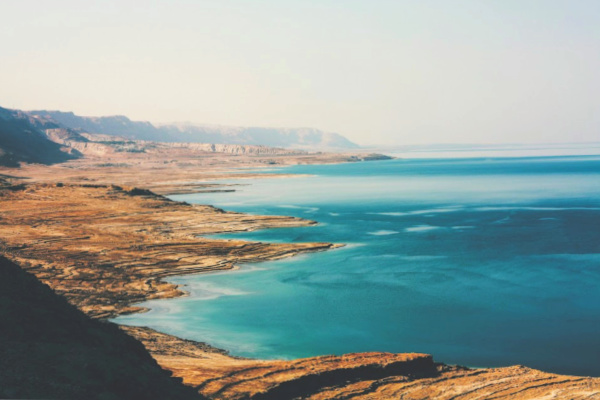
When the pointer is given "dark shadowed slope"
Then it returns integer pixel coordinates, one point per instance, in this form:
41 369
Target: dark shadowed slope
307 138
22 141
49 349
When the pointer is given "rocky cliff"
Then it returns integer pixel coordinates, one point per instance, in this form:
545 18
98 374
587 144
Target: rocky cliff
102 144
305 138
358 376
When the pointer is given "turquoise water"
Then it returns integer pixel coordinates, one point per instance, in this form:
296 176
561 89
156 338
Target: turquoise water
480 262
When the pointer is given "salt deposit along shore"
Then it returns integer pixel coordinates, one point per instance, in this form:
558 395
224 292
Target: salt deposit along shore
99 237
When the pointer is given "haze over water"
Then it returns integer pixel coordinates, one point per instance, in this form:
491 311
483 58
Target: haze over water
478 261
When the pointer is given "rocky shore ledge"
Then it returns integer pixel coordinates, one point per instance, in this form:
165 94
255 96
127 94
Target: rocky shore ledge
106 247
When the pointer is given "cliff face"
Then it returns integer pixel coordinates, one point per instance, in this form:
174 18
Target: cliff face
306 138
49 349
103 144
22 141
233 149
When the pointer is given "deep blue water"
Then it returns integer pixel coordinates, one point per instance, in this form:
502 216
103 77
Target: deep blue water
480 262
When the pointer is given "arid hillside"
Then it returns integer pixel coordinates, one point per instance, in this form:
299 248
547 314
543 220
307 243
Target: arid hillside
49 349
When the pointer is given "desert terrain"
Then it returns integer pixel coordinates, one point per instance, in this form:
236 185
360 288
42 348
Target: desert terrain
99 232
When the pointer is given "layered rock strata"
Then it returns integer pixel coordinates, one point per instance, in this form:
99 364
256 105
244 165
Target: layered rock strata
364 376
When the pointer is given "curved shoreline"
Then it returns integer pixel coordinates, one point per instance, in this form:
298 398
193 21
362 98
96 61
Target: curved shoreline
106 247
181 287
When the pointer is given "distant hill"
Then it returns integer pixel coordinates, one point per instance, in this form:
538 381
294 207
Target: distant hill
305 138
22 140
50 349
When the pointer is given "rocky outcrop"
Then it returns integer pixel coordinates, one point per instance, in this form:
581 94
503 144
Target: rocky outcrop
73 140
364 376
508 383
64 136
234 149
220 376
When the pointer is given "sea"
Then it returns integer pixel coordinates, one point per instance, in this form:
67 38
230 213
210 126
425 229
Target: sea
481 260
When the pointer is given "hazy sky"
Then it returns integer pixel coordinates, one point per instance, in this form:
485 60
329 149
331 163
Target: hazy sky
376 71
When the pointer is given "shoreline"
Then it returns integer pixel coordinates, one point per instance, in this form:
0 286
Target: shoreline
133 239
107 248
261 354
186 293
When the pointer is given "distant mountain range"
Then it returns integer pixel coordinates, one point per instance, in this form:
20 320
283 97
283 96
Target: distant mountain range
48 137
299 138
22 139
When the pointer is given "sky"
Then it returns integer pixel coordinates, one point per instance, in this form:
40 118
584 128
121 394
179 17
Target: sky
376 71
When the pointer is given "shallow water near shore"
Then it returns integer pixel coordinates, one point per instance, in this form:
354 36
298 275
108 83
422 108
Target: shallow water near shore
480 262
